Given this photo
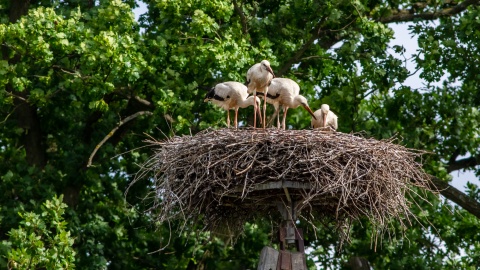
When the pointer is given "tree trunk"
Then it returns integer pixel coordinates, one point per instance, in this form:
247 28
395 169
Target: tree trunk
18 8
26 114
27 119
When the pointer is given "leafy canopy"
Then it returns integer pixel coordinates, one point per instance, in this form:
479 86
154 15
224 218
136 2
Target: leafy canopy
71 70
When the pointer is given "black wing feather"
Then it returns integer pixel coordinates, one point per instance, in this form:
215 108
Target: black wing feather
210 94
270 96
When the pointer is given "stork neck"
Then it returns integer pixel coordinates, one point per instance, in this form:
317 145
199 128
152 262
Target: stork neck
295 102
246 102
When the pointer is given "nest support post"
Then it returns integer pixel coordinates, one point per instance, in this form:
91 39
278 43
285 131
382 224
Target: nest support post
290 236
291 255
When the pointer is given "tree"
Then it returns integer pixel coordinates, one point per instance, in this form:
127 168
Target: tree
71 71
42 241
68 75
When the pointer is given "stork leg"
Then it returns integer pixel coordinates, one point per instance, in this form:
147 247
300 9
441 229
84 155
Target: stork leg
284 116
236 118
275 114
265 107
278 118
259 114
228 118
255 109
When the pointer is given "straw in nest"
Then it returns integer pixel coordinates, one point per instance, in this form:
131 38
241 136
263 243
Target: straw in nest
228 177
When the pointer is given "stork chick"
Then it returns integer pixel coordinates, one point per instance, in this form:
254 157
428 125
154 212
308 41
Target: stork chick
232 95
285 92
259 77
324 118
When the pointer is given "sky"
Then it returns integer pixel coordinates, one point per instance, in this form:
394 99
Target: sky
403 38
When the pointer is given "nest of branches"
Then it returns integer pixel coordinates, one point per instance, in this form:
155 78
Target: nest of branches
228 177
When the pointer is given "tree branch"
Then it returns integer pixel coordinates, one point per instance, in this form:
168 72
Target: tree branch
455 165
243 19
110 134
457 196
8 115
17 96
454 156
71 72
405 15
143 101
296 57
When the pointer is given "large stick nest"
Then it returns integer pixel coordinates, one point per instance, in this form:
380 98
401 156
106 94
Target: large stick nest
227 177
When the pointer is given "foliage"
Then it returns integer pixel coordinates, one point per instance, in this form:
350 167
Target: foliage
42 240
70 70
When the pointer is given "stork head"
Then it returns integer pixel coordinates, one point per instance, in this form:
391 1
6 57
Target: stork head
266 65
301 100
325 109
209 96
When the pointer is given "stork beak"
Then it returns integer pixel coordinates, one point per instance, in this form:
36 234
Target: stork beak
325 119
269 69
309 110
259 114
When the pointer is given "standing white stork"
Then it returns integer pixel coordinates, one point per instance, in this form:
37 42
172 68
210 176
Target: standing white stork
324 118
285 92
258 79
232 95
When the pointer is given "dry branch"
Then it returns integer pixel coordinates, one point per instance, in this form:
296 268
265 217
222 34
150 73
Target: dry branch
110 134
229 177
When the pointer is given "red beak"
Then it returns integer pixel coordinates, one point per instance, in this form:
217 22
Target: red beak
269 69
310 111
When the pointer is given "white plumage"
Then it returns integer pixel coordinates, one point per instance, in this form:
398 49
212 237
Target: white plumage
258 79
324 118
232 95
286 93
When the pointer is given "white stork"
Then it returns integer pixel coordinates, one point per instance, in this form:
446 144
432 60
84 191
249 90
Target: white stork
232 95
285 92
258 79
324 118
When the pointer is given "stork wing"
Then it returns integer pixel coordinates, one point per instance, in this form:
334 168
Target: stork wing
275 88
318 122
333 122
222 91
249 75
237 90
291 86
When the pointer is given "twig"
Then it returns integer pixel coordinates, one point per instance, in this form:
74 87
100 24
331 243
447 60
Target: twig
8 115
110 134
228 177
16 96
